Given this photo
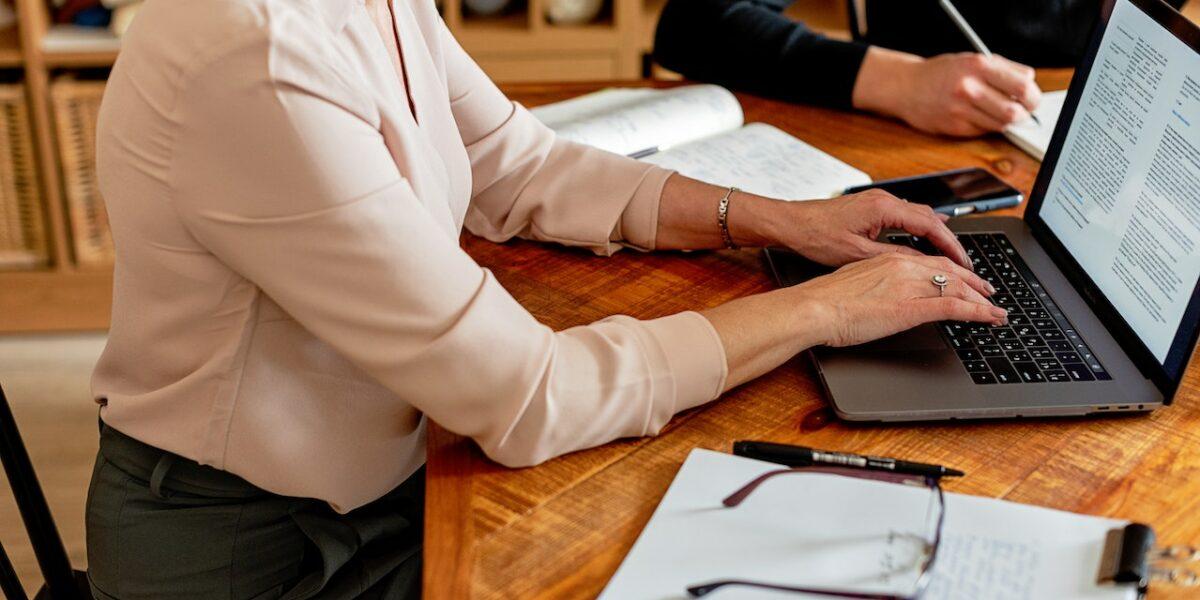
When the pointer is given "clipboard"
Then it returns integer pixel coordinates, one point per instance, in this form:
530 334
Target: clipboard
1132 557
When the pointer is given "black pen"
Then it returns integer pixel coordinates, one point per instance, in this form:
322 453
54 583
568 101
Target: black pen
799 456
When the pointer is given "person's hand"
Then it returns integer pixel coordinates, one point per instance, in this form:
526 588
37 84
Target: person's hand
963 94
843 230
890 293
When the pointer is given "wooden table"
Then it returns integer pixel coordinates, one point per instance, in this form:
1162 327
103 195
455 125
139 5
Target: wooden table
562 528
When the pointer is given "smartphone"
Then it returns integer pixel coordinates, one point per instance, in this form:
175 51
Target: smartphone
955 193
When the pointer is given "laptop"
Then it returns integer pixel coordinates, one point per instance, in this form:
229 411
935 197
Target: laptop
1100 277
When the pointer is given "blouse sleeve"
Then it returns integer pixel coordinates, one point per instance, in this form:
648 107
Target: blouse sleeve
279 171
529 184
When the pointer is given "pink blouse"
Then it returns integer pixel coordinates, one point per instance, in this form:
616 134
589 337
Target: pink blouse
291 300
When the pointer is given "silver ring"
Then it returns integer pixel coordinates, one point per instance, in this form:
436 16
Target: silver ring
941 281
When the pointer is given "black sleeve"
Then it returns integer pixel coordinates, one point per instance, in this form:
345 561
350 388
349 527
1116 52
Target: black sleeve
750 45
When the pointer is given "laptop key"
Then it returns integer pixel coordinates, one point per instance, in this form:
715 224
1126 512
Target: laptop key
1037 313
1033 341
1023 330
1004 371
1019 356
969 354
1047 364
1010 345
1004 333
975 366
1017 319
1044 323
1057 376
1068 357
1079 373
990 351
983 378
983 340
1052 334
1059 345
1029 303
1004 300
1029 372
1039 353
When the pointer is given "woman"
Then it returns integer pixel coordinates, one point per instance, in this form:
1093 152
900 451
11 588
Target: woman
286 182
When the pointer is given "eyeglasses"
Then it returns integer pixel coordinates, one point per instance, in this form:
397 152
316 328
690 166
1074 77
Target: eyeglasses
935 518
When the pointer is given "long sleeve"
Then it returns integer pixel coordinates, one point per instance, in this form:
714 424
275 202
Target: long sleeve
750 45
529 184
279 170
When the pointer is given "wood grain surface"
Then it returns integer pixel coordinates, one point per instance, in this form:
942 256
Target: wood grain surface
559 530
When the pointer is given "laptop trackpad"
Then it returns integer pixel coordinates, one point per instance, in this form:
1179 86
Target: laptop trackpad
924 337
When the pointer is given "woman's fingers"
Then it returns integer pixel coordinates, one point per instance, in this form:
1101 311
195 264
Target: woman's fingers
944 266
949 308
1015 80
921 221
999 107
873 248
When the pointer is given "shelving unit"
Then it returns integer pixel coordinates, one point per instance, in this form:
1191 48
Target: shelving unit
62 296
524 46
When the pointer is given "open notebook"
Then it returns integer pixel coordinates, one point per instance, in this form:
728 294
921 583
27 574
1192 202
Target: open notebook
821 530
1031 137
698 130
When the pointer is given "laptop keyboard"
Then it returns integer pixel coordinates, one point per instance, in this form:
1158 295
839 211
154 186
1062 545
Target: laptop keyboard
1039 344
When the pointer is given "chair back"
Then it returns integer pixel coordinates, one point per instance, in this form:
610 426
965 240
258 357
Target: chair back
856 12
61 582
10 585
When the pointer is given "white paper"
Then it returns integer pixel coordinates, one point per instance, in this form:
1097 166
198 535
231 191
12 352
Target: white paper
829 531
1031 137
763 160
589 106
629 123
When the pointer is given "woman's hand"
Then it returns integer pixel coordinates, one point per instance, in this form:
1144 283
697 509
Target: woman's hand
843 230
964 94
890 293
858 303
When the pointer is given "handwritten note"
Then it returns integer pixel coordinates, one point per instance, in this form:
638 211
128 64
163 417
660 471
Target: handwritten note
761 159
985 568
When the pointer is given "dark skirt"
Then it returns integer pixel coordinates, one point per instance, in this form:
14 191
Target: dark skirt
163 526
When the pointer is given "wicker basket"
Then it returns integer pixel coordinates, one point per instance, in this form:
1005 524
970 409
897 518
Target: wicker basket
22 225
76 105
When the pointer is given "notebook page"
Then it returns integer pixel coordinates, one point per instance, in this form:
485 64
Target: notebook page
631 124
829 531
589 106
761 159
1031 137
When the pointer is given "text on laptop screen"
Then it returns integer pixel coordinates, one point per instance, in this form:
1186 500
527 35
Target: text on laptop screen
1125 195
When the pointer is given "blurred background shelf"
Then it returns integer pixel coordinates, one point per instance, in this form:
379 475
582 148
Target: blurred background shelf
10 47
74 46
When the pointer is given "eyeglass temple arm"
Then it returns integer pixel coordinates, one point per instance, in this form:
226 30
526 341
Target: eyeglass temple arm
743 492
697 591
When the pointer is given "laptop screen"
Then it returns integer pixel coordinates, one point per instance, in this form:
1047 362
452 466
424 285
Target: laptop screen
1124 196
